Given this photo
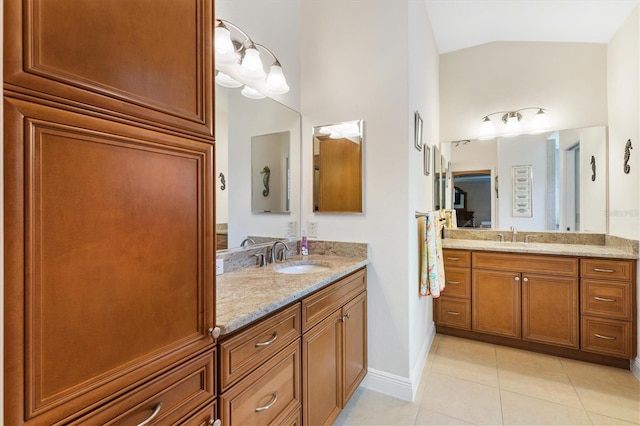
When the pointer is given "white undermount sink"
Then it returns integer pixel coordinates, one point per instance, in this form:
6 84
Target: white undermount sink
302 267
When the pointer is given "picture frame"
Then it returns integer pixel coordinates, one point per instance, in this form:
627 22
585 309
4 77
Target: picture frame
427 159
417 140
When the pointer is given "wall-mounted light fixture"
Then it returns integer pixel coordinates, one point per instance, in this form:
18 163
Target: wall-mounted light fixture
512 127
238 64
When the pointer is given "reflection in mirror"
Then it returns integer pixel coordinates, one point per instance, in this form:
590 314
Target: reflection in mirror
438 180
337 168
270 173
564 195
238 121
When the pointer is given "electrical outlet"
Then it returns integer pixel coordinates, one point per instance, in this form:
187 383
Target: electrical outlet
291 229
313 229
219 266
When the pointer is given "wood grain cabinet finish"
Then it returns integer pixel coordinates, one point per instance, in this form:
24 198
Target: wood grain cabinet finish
496 303
608 307
103 58
334 348
268 395
453 307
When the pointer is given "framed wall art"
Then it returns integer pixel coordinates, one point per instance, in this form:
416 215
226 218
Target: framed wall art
417 137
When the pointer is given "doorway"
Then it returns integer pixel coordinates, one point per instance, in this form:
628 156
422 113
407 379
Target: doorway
472 198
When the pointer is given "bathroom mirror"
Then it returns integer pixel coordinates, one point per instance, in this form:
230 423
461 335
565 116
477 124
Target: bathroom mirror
242 123
337 167
270 173
568 180
439 178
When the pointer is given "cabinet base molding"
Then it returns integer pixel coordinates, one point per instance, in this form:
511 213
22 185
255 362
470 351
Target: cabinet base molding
537 347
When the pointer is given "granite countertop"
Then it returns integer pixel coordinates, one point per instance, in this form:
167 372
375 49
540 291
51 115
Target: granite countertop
588 250
248 294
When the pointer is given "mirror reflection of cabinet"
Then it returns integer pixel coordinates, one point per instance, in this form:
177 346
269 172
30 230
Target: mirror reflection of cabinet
337 168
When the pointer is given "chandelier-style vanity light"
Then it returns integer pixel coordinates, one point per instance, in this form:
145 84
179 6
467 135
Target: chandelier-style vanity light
511 120
238 64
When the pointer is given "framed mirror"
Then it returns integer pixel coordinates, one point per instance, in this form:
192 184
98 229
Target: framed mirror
338 167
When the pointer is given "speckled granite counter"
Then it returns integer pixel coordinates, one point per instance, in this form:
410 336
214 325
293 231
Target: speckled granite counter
248 294
542 248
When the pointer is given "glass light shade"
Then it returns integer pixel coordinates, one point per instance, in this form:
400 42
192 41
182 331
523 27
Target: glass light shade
540 123
252 93
487 130
512 128
276 82
225 52
251 66
224 80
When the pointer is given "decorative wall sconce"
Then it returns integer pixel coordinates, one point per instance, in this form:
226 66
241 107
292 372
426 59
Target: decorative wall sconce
627 156
238 64
511 120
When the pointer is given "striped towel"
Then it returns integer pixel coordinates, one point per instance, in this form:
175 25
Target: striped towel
431 262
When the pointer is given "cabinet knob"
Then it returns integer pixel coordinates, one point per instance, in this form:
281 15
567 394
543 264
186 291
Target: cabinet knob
525 279
212 422
214 332
517 278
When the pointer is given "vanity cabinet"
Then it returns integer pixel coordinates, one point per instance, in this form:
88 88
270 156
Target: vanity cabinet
334 347
533 297
607 308
453 307
109 212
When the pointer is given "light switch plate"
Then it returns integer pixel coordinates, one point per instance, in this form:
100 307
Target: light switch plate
313 229
219 266
291 229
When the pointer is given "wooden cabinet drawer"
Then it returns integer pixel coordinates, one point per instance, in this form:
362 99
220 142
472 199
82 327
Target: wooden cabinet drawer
324 302
204 417
542 264
244 351
611 299
606 269
267 395
454 313
177 393
460 258
457 282
607 337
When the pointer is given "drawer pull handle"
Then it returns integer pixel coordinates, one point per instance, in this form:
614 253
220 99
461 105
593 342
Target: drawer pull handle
608 271
156 411
453 282
603 299
214 422
600 336
274 398
274 337
453 258
453 313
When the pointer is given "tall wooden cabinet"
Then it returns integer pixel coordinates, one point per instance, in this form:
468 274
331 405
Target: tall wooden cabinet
109 211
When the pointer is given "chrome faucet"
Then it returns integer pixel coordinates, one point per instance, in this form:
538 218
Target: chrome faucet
514 233
247 241
501 238
283 253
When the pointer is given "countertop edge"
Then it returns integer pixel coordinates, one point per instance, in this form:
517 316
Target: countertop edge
602 251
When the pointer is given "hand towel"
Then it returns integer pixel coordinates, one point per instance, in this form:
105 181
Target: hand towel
431 261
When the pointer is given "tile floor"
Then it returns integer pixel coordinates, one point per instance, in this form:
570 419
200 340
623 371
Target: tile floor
473 383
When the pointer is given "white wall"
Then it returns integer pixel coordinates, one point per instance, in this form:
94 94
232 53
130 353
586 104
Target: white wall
567 78
623 62
354 68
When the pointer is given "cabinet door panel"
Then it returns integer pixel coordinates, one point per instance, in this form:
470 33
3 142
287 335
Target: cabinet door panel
118 253
550 310
496 303
322 372
87 52
354 345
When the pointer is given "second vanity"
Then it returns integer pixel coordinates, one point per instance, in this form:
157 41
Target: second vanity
293 347
572 300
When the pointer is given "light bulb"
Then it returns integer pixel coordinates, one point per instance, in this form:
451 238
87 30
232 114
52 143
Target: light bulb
487 130
276 82
540 123
251 66
252 93
225 52
512 127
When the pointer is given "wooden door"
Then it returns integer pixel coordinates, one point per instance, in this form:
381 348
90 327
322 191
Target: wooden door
495 306
354 344
322 371
550 310
340 176
109 257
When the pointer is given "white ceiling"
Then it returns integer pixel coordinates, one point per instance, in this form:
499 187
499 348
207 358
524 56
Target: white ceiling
458 24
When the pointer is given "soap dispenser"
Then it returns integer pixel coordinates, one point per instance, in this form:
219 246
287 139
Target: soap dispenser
304 244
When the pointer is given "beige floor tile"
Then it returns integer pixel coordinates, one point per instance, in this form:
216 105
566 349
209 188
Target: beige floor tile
367 407
468 360
620 400
600 420
585 370
432 418
461 399
524 361
525 410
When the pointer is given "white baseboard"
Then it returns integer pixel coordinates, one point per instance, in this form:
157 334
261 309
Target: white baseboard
635 366
398 386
